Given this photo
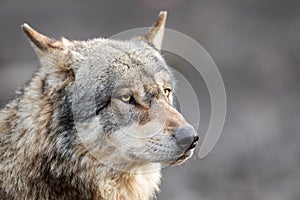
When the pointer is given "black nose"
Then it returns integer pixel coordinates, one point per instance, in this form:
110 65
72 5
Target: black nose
186 138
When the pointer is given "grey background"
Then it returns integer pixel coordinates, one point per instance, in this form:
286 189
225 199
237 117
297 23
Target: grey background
255 44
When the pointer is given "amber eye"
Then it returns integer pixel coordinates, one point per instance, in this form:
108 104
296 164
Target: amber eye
125 98
167 92
128 99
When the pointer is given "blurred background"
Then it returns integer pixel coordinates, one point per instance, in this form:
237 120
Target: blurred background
255 44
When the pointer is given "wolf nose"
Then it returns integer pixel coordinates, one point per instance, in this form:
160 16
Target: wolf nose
186 138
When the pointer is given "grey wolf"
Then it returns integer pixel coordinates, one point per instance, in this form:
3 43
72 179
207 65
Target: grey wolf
97 121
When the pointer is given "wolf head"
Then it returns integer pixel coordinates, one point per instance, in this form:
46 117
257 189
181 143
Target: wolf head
121 92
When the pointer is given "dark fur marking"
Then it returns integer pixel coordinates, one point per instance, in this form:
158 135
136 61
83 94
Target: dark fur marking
44 84
61 184
100 107
66 120
145 118
172 124
103 97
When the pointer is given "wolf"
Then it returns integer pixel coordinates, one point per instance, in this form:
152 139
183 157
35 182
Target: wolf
97 121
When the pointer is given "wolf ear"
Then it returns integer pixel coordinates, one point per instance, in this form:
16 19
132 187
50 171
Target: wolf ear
156 33
50 51
42 43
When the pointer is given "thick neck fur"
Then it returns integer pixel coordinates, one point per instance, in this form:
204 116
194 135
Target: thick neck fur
52 163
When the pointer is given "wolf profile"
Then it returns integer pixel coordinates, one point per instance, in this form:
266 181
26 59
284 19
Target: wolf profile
97 121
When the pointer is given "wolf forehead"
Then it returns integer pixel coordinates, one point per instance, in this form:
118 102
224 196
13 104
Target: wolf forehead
127 59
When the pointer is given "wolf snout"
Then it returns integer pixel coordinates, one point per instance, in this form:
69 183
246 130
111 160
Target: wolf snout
186 138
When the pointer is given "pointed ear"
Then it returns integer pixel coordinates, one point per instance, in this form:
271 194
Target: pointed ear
155 35
41 42
52 53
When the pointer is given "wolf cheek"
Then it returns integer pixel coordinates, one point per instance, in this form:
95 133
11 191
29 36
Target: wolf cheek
158 133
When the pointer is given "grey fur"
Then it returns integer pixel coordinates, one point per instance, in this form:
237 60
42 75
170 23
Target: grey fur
71 135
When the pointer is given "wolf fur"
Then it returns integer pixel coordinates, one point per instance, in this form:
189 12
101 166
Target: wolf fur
65 135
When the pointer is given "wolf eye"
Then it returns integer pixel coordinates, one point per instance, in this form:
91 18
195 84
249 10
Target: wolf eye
128 99
125 98
167 92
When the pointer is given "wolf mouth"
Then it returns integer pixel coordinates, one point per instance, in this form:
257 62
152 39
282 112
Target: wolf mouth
182 158
194 143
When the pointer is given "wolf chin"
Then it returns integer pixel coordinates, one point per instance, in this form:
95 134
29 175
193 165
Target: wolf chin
97 121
